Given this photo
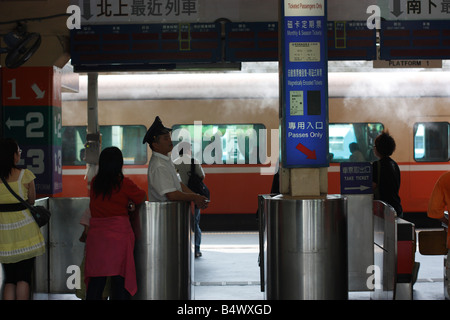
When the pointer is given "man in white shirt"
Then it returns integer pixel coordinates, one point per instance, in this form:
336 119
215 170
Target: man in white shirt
163 181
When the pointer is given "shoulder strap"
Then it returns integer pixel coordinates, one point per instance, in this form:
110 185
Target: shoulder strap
19 182
192 166
15 195
22 172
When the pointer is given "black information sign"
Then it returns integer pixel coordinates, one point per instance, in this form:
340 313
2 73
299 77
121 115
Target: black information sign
415 40
150 44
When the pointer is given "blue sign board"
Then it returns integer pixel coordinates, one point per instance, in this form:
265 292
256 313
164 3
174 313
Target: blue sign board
356 178
304 84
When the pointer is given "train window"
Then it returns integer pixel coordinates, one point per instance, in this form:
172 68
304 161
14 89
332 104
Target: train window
353 141
431 141
224 143
126 138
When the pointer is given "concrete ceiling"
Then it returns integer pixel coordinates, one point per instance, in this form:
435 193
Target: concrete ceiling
49 17
46 17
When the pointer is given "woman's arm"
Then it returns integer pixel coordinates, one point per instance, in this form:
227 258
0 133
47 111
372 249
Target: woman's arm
31 192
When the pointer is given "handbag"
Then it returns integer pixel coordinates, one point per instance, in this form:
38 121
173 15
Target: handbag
195 183
40 214
433 242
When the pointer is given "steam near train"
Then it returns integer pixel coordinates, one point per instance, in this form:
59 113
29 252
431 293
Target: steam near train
232 121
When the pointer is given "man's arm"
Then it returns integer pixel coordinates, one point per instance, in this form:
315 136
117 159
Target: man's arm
187 195
185 188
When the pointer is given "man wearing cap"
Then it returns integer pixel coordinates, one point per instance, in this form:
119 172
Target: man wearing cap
163 181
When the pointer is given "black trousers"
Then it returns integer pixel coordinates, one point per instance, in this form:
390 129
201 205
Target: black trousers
97 285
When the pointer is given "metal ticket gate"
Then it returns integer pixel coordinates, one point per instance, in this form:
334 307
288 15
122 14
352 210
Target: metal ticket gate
163 252
303 247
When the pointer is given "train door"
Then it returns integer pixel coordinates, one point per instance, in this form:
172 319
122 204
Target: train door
429 159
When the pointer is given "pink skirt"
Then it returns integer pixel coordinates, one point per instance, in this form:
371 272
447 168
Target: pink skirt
109 250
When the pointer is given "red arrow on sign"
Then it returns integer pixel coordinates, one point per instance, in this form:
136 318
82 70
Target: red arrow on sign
309 154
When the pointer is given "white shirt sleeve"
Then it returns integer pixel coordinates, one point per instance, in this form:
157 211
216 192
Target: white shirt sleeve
162 182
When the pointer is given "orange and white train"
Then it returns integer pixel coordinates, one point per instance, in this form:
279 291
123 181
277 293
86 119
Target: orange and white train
242 111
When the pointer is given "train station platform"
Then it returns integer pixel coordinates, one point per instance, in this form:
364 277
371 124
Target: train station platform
228 270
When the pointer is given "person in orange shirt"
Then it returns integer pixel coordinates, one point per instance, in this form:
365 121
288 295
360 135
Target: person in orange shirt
440 201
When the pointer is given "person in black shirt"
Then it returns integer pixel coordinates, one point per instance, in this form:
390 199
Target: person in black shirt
386 173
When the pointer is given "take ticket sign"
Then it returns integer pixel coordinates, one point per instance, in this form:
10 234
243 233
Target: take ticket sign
356 178
304 84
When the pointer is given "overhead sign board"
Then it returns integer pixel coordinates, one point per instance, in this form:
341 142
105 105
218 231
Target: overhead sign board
255 41
304 84
351 40
140 46
414 9
415 40
133 44
356 178
174 11
132 11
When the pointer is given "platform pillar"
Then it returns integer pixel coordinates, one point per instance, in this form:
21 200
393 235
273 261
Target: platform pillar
31 112
303 97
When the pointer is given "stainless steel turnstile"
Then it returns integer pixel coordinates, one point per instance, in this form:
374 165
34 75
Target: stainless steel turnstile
164 252
303 247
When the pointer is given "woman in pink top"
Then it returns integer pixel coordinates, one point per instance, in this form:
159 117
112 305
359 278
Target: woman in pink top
110 239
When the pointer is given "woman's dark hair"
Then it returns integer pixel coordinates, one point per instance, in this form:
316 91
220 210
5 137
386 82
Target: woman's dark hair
109 176
8 148
385 144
